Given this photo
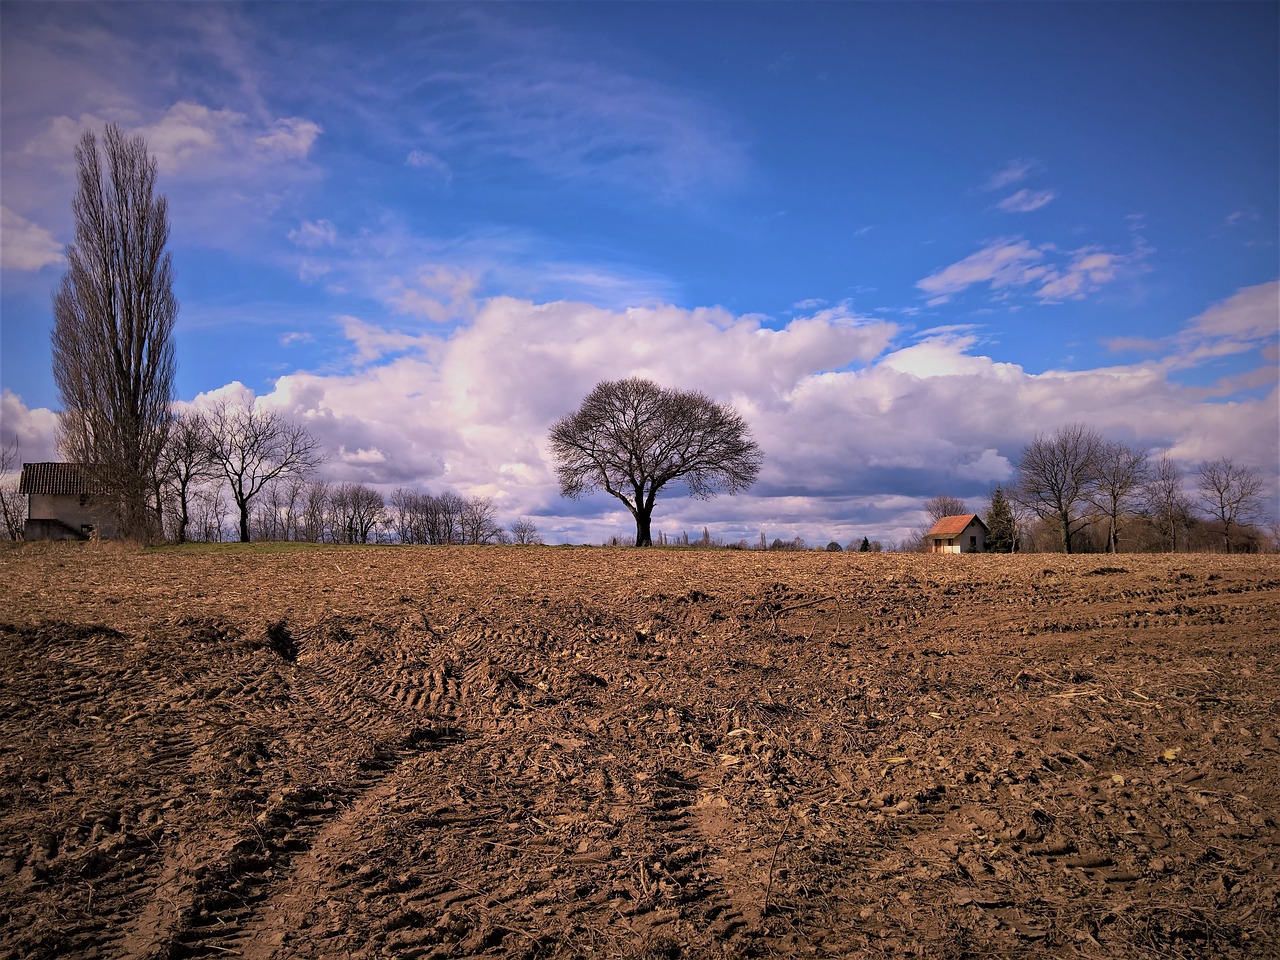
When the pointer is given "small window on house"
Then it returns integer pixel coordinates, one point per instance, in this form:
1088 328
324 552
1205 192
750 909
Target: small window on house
973 543
84 499
951 542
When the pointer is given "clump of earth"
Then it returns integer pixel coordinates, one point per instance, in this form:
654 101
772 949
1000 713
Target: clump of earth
307 752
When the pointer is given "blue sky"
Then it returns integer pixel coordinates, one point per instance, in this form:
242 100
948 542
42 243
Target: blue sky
901 237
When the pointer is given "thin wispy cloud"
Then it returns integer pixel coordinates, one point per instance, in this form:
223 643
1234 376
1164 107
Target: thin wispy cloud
1024 201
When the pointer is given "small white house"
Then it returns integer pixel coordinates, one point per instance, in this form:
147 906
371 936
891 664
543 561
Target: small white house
963 533
64 502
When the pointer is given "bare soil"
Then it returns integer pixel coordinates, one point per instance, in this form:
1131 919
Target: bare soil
546 752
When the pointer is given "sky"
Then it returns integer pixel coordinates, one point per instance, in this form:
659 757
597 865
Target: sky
901 239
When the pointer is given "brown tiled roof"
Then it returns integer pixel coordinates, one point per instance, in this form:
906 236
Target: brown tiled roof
57 479
953 526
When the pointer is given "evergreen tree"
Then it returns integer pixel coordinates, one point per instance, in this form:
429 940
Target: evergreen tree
1002 529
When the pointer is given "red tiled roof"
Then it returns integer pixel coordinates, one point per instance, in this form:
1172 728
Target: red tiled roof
57 479
953 526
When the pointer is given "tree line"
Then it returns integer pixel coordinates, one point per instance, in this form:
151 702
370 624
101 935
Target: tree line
249 467
1075 491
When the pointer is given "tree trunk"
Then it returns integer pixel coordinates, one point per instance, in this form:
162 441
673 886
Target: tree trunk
244 521
644 528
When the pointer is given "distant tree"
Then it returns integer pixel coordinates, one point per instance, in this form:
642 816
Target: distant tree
355 510
834 547
1232 494
631 438
185 463
865 546
13 505
944 506
113 317
253 447
1057 475
1002 528
524 532
1121 476
875 546
479 523
1165 504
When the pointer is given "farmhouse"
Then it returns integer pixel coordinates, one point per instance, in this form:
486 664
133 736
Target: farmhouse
64 502
963 533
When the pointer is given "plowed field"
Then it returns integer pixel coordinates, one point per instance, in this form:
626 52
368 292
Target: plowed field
553 752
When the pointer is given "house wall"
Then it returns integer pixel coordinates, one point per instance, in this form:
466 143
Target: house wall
973 540
75 511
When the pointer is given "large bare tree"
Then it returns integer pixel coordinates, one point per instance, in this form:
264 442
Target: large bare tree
113 315
253 447
1121 476
1057 475
631 438
1232 494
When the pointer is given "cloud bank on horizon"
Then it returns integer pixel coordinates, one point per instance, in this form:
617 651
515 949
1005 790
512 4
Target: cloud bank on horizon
428 230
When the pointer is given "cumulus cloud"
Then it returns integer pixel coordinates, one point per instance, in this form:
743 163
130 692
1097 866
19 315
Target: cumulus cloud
25 245
859 423
34 430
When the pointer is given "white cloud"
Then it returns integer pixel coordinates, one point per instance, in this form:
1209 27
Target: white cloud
1014 171
1250 314
34 430
313 234
441 293
25 245
289 138
857 429
189 139
425 160
1024 201
1009 264
1002 263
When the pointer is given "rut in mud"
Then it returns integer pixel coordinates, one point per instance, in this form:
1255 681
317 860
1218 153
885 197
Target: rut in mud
422 752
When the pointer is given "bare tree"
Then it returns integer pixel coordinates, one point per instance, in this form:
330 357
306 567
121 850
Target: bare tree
356 510
113 319
254 447
13 505
1121 476
524 532
479 521
1232 494
630 438
944 506
1057 475
315 511
1164 502
184 464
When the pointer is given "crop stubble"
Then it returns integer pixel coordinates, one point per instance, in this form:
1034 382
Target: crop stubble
452 752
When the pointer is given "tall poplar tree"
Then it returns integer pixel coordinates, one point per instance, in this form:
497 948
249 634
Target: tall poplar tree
113 315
